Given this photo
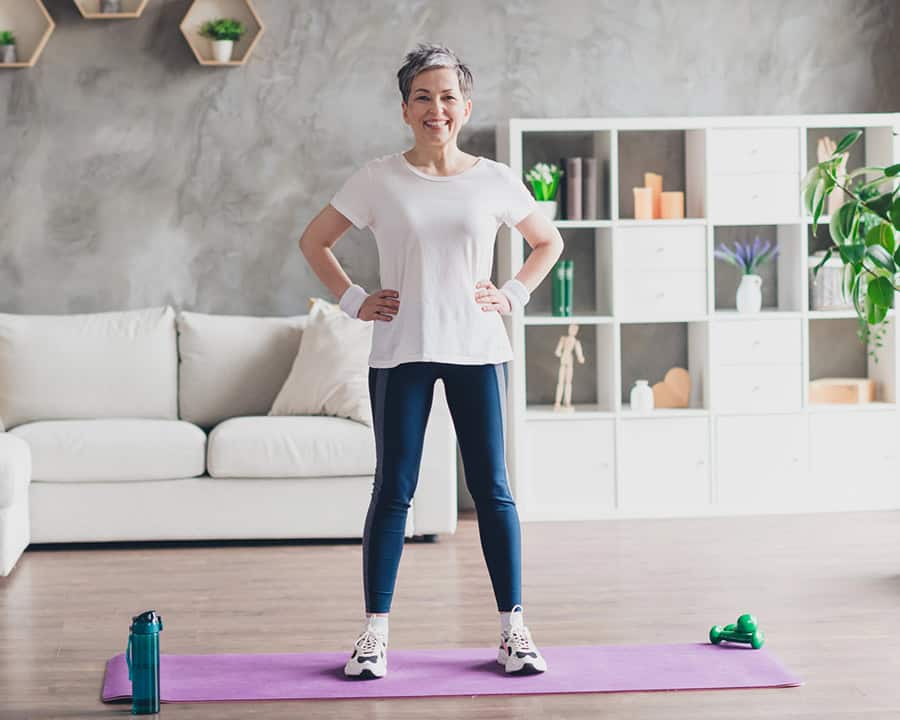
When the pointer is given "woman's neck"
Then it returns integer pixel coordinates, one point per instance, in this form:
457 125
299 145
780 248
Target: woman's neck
440 160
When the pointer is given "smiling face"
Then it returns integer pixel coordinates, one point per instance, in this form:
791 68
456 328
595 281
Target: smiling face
436 110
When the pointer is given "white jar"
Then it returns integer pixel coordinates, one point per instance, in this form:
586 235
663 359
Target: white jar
641 397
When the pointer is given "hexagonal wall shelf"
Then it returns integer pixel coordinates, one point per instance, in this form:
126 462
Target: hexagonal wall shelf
203 10
31 25
91 10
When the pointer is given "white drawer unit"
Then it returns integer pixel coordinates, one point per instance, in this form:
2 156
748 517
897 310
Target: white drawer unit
762 462
668 247
757 388
739 342
578 477
853 459
746 151
754 198
664 464
658 294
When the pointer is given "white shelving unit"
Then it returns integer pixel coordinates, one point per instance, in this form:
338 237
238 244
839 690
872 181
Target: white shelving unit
649 295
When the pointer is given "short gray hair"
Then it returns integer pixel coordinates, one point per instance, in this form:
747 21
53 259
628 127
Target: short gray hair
426 56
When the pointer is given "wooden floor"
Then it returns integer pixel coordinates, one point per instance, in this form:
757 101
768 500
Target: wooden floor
826 590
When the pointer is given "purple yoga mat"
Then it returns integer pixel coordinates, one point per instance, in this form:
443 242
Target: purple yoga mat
456 671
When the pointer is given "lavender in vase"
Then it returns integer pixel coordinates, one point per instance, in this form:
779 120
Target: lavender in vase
748 258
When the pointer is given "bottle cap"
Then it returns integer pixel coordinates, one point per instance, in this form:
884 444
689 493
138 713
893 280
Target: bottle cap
146 623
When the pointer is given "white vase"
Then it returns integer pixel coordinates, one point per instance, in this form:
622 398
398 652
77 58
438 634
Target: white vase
7 53
222 50
749 294
547 208
641 397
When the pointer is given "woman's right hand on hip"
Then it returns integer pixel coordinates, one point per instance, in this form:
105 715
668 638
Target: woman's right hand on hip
380 305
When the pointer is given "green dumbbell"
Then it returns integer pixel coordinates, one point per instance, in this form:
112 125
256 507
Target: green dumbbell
744 631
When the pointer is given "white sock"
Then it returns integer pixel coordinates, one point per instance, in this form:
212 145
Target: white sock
506 618
379 625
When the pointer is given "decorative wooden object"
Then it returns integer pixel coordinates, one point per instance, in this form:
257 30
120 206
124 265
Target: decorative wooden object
674 391
567 347
842 390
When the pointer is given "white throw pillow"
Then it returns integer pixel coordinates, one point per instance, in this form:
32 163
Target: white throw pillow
330 375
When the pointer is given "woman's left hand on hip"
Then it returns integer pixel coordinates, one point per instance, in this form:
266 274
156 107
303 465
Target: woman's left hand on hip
490 298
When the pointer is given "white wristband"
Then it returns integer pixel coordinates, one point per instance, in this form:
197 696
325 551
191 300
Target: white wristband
517 293
352 300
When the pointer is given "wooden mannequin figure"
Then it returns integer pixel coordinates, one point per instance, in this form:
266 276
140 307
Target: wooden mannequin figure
564 349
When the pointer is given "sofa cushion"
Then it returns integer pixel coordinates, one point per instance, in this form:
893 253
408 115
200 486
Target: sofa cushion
15 469
233 365
298 446
330 373
93 365
113 450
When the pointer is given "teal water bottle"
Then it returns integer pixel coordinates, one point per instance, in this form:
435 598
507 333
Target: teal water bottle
142 657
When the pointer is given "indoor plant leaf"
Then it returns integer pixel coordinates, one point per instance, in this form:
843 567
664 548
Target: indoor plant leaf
842 222
881 292
847 141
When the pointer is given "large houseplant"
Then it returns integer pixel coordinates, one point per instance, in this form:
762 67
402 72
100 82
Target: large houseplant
863 234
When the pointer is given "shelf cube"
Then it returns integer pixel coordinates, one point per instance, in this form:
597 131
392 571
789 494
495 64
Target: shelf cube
677 155
782 277
32 26
203 10
131 9
649 350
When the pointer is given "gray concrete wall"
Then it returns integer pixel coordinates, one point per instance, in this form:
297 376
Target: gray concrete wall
132 176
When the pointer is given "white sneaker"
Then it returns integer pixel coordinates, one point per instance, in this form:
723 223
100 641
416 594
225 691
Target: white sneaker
369 658
517 652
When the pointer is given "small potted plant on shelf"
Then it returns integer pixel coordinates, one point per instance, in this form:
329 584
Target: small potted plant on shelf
222 32
863 233
7 46
747 258
544 180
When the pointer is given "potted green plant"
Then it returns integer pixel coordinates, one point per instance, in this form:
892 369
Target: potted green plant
544 180
7 46
222 32
863 234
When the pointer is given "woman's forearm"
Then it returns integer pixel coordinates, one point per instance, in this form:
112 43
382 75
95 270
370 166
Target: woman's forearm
326 266
539 264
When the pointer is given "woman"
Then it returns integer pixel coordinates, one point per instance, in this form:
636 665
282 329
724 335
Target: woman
435 212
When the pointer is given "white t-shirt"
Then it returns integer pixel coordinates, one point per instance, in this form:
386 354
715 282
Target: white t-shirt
435 238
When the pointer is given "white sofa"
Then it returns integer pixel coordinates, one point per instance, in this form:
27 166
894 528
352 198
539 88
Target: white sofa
152 425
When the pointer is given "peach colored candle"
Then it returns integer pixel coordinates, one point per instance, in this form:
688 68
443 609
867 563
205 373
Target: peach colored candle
643 203
654 182
672 204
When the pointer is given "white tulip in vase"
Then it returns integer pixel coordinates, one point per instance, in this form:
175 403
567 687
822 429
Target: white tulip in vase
544 181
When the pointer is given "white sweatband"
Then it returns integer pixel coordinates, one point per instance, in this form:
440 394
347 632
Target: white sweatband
517 293
352 300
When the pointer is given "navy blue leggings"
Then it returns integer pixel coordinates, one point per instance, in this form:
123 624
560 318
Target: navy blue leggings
401 402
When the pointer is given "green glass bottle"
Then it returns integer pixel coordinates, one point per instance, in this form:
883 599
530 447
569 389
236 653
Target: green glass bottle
559 289
567 287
